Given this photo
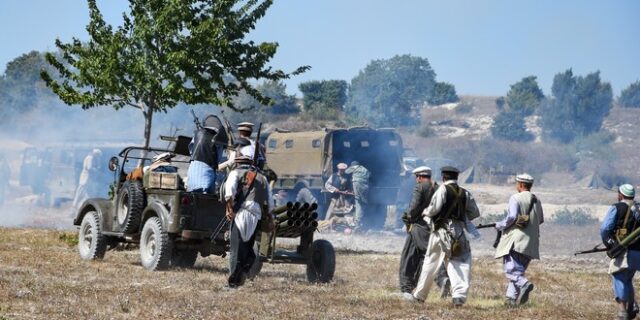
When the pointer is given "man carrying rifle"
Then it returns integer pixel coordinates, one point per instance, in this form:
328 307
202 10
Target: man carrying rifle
448 216
622 219
418 231
520 239
246 192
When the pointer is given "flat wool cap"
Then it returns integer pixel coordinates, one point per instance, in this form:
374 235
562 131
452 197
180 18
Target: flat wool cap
422 171
355 163
525 178
245 126
627 190
342 166
449 169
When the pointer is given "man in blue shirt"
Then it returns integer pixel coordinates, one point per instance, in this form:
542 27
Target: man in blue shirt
204 158
621 219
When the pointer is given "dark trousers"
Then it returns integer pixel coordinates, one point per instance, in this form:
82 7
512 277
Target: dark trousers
241 257
412 258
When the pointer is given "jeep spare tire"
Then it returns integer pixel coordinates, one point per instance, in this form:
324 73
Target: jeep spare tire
131 202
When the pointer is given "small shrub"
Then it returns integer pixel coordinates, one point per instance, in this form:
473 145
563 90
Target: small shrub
426 132
71 239
493 217
578 217
463 108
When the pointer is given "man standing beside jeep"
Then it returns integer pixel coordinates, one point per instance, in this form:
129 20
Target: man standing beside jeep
246 192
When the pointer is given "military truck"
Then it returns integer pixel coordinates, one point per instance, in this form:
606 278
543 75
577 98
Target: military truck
307 159
172 226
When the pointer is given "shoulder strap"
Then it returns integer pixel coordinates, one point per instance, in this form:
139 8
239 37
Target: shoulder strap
532 203
626 216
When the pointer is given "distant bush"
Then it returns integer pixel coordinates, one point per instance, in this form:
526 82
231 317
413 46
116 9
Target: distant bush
578 217
320 111
493 217
443 92
630 97
510 126
524 96
463 108
426 131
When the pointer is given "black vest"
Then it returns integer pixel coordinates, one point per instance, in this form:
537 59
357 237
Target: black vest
204 149
454 206
632 223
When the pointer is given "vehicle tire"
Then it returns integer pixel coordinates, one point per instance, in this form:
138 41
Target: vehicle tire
131 202
92 244
155 245
184 258
257 264
322 262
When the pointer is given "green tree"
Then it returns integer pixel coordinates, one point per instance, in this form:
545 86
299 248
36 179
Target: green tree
443 92
331 93
276 91
388 92
630 97
578 107
500 103
21 89
525 96
166 52
510 126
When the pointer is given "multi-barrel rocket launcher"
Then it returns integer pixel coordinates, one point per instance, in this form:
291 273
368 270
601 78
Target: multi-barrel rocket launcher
298 220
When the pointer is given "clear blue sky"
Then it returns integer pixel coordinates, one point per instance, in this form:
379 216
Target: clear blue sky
480 46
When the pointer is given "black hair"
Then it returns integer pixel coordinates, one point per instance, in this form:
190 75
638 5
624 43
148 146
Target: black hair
449 175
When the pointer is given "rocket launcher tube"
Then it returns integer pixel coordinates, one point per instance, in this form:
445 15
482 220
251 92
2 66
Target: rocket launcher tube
622 246
282 209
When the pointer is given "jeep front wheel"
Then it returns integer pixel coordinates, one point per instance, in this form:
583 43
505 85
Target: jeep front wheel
92 244
155 245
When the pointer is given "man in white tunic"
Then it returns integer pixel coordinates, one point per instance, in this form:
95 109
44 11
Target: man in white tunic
246 192
448 214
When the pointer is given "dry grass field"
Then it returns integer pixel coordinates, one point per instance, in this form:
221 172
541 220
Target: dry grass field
42 277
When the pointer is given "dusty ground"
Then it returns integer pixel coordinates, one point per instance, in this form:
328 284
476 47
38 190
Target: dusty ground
42 277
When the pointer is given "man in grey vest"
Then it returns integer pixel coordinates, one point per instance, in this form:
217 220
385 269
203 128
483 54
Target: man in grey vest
520 239
448 214
246 192
418 231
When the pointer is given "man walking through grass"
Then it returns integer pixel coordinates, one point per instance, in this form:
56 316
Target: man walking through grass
448 214
623 218
520 240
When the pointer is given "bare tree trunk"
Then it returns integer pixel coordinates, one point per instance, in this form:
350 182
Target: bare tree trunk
147 112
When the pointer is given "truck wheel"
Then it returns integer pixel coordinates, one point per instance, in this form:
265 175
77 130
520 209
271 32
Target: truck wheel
322 262
155 245
257 264
184 258
92 244
130 206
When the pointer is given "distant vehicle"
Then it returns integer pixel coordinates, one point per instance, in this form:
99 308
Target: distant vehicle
309 158
172 226
52 172
410 159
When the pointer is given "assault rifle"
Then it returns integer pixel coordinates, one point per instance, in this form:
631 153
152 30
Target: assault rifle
227 128
619 248
498 233
195 120
595 249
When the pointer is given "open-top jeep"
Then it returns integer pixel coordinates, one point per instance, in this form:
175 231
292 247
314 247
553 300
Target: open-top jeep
171 225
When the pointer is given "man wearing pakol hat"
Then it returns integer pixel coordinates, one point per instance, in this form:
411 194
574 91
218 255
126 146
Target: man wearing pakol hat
415 245
360 182
448 216
339 186
520 239
244 131
623 218
204 157
246 200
